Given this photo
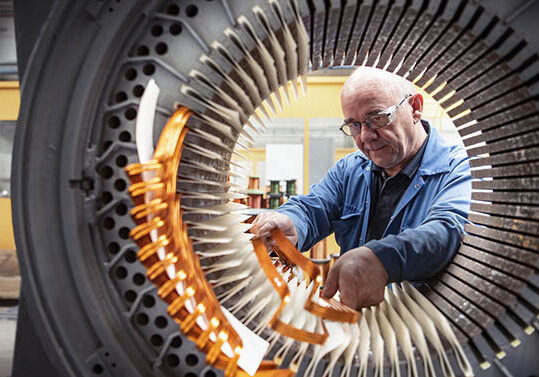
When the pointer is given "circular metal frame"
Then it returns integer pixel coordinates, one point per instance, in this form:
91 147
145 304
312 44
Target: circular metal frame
76 131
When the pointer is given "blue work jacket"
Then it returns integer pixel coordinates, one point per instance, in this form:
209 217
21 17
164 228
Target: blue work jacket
425 229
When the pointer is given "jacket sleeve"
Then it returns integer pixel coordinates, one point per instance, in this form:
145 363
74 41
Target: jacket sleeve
314 213
421 252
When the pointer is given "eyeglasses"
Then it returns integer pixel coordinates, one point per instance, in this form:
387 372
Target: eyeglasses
374 121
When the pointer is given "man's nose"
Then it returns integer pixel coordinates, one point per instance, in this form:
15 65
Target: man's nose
368 134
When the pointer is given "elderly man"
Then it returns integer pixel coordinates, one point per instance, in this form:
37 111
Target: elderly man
397 206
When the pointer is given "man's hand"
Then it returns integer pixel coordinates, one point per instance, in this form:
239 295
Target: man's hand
266 221
360 278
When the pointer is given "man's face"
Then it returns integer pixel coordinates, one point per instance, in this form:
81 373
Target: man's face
390 147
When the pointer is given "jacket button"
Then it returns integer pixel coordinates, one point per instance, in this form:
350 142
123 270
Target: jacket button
416 185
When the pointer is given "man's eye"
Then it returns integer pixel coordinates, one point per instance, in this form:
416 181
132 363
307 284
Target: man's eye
378 119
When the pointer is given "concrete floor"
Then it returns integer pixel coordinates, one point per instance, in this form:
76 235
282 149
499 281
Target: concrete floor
8 324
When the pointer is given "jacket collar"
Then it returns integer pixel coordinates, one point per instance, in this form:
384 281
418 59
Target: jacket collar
436 157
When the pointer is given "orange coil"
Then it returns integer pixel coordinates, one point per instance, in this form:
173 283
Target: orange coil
333 310
157 209
282 290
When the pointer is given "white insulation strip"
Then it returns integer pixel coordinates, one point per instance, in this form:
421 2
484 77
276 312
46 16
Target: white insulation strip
442 325
144 122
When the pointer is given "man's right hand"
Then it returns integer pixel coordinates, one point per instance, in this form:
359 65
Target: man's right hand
265 222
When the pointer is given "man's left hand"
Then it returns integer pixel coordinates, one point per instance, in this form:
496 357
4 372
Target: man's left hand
359 276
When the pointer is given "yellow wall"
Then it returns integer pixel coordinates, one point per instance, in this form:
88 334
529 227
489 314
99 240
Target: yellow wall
321 101
6 228
9 100
9 110
257 155
342 152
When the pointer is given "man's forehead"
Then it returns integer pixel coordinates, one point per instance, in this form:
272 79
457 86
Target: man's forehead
371 91
368 102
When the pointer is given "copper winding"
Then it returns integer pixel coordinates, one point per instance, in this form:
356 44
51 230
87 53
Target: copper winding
162 214
290 256
282 290
157 209
333 310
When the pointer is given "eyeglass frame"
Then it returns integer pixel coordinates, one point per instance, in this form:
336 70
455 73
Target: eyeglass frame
390 112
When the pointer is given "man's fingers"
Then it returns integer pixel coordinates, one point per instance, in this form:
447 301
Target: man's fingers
264 230
349 299
255 225
331 284
348 292
262 224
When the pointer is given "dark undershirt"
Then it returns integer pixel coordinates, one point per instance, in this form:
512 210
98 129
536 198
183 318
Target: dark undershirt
386 193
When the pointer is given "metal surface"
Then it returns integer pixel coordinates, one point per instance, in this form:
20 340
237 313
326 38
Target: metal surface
76 134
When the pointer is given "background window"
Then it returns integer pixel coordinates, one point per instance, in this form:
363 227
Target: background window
7 133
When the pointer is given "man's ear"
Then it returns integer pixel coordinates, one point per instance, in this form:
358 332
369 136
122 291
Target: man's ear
417 107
